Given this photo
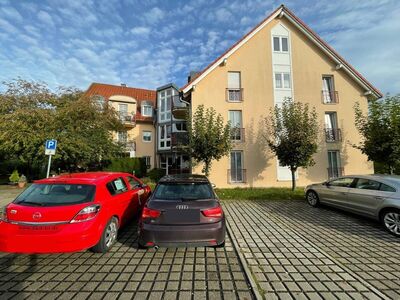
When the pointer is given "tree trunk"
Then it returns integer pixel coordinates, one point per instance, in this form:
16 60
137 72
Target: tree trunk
293 170
207 167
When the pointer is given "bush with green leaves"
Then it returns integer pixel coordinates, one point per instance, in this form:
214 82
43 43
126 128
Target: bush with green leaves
14 177
156 174
135 165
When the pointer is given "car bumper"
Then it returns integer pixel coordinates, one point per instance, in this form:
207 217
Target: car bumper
182 235
16 238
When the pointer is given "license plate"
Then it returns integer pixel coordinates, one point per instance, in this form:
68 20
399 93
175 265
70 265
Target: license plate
183 216
38 228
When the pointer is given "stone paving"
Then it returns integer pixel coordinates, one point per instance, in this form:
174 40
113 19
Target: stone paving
126 273
296 251
8 195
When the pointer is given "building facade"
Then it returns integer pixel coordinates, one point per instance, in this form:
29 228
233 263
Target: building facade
136 110
280 58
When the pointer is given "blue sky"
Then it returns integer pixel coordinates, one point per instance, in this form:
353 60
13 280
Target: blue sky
150 43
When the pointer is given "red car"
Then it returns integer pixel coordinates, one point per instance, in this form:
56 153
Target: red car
72 212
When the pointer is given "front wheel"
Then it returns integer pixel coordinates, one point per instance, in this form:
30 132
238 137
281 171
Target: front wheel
391 221
108 237
312 198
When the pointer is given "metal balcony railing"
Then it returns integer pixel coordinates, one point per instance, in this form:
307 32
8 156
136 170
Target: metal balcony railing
329 97
335 172
179 139
333 135
236 175
237 134
234 95
127 118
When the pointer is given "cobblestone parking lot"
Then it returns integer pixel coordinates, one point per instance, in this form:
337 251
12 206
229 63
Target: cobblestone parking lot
290 250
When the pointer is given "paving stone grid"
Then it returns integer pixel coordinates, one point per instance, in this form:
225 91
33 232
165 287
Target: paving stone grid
298 252
126 273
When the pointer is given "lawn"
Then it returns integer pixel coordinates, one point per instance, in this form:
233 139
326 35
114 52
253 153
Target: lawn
261 194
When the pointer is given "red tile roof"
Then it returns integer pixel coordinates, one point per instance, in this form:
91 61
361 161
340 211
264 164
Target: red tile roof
108 90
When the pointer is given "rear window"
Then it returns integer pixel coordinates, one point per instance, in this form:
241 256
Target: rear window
56 194
183 191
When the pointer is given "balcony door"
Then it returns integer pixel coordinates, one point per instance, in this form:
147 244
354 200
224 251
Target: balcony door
236 172
334 165
331 127
327 89
235 118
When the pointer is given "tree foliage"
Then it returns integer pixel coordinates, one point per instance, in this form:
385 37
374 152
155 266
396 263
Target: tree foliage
292 135
209 137
380 131
31 113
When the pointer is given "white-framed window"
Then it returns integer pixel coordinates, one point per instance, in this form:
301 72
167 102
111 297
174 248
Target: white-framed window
99 101
122 136
234 87
147 110
148 161
236 171
328 89
280 44
178 127
147 136
282 81
164 133
165 98
235 118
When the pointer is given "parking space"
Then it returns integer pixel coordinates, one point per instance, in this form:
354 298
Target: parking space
295 251
125 273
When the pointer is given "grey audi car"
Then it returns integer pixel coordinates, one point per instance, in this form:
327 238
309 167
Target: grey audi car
182 211
374 196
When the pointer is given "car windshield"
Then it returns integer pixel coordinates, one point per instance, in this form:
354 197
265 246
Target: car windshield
56 194
183 191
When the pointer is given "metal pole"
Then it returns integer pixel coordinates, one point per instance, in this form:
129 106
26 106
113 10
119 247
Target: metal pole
48 167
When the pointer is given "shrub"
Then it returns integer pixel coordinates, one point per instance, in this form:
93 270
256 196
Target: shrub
129 165
14 177
156 174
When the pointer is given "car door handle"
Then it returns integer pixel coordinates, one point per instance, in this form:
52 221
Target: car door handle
378 198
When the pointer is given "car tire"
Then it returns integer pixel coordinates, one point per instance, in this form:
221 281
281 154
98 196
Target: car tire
108 237
391 221
222 245
312 198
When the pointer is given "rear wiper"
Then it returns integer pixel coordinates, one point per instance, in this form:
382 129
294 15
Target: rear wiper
30 203
189 199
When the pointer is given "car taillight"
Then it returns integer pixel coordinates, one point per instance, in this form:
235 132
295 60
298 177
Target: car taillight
215 212
3 214
86 214
149 213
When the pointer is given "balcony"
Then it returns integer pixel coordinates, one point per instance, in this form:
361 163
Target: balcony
127 119
236 175
179 108
335 172
237 135
333 135
234 95
179 139
329 97
129 145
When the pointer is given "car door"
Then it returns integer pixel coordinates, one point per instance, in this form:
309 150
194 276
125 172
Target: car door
136 194
366 196
120 199
335 191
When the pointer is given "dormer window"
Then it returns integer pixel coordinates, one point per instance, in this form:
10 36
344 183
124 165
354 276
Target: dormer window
147 109
281 44
99 101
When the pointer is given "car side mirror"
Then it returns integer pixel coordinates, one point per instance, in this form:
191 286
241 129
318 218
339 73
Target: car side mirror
213 185
326 183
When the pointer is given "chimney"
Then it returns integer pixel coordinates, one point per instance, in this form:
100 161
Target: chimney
123 84
193 75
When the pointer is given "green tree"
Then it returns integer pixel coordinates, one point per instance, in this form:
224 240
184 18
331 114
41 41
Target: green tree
30 113
292 135
380 131
209 137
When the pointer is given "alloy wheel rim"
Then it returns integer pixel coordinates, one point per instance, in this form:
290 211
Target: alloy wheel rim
312 198
111 234
392 222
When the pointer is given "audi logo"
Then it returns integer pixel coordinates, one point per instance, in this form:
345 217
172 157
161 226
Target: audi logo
182 206
36 215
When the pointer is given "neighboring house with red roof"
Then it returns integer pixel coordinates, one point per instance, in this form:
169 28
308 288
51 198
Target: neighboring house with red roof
136 109
279 58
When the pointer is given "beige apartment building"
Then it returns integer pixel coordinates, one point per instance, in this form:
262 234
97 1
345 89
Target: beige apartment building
136 111
280 58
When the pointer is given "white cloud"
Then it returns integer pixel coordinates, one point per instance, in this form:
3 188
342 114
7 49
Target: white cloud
154 15
11 13
141 30
45 18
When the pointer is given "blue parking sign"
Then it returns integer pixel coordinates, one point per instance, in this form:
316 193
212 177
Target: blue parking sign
50 147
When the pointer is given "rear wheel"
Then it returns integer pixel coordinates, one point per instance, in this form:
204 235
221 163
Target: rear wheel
108 237
222 245
312 198
391 220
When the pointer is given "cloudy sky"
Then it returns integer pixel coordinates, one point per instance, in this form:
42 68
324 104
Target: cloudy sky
149 43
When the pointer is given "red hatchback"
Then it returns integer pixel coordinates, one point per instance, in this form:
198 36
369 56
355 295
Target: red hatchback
71 213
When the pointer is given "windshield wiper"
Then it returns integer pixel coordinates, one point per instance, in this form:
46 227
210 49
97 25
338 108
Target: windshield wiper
30 203
189 198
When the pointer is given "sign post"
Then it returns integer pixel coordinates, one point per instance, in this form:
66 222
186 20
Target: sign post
50 150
